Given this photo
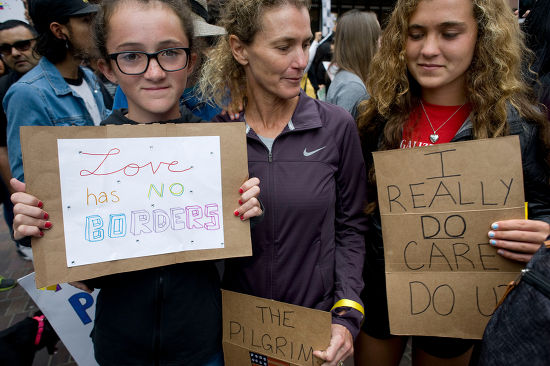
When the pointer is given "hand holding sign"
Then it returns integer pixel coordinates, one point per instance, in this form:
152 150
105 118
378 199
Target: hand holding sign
340 347
29 218
126 198
518 239
250 206
443 276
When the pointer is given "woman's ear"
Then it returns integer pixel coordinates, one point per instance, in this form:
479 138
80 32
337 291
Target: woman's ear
106 70
238 48
59 30
192 63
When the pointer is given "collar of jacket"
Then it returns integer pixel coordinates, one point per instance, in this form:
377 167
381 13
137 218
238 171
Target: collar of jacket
513 119
55 79
306 115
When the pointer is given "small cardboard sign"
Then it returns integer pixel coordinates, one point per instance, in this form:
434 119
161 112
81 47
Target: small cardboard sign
437 204
126 198
71 312
258 331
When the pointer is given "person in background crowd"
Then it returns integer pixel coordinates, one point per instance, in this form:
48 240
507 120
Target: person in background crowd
17 40
352 56
315 43
537 31
214 9
309 248
205 36
169 315
5 283
316 72
434 80
57 92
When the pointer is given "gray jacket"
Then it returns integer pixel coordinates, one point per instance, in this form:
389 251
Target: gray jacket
346 90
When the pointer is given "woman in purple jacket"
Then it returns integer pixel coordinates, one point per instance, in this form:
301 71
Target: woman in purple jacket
309 248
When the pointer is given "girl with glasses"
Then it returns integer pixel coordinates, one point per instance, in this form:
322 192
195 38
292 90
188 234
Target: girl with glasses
169 315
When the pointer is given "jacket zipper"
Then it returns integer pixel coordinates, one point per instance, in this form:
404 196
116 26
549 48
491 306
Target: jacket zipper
537 281
270 160
271 184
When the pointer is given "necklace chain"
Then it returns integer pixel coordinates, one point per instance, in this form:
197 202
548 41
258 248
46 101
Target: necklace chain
434 137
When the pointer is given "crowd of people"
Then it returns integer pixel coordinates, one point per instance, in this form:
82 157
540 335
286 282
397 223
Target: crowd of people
437 71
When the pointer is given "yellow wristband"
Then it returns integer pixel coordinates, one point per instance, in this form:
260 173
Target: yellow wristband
349 304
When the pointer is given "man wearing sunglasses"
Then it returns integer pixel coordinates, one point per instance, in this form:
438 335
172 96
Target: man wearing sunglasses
17 40
58 91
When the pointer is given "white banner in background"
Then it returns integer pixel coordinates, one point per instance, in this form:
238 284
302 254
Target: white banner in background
13 9
71 313
326 18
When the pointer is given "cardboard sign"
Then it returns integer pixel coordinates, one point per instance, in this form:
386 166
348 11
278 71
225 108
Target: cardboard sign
437 204
71 312
125 198
258 331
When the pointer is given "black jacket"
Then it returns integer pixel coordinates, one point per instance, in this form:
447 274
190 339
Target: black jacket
161 316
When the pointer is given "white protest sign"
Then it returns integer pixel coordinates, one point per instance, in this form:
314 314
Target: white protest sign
135 197
71 313
13 9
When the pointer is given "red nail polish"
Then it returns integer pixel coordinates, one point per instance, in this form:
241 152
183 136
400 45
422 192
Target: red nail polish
40 204
242 218
240 202
241 191
41 233
236 213
46 216
48 225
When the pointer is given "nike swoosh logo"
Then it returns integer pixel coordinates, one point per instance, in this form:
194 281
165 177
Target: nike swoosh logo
306 153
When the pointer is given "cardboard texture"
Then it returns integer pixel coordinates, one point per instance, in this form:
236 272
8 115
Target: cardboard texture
437 204
271 332
39 148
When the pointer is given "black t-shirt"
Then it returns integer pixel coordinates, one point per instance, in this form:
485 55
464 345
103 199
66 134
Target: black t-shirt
118 117
168 315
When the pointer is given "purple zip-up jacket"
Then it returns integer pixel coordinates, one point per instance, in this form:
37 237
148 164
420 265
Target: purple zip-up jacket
309 248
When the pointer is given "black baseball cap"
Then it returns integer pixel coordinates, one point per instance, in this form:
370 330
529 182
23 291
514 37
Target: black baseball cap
44 12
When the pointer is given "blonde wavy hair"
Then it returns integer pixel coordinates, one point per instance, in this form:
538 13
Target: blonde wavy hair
494 79
223 79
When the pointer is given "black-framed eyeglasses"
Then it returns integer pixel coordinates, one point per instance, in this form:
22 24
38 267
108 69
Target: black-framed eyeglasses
137 62
21 46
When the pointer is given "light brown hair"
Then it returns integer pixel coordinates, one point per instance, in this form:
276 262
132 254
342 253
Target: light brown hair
356 42
494 80
223 79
